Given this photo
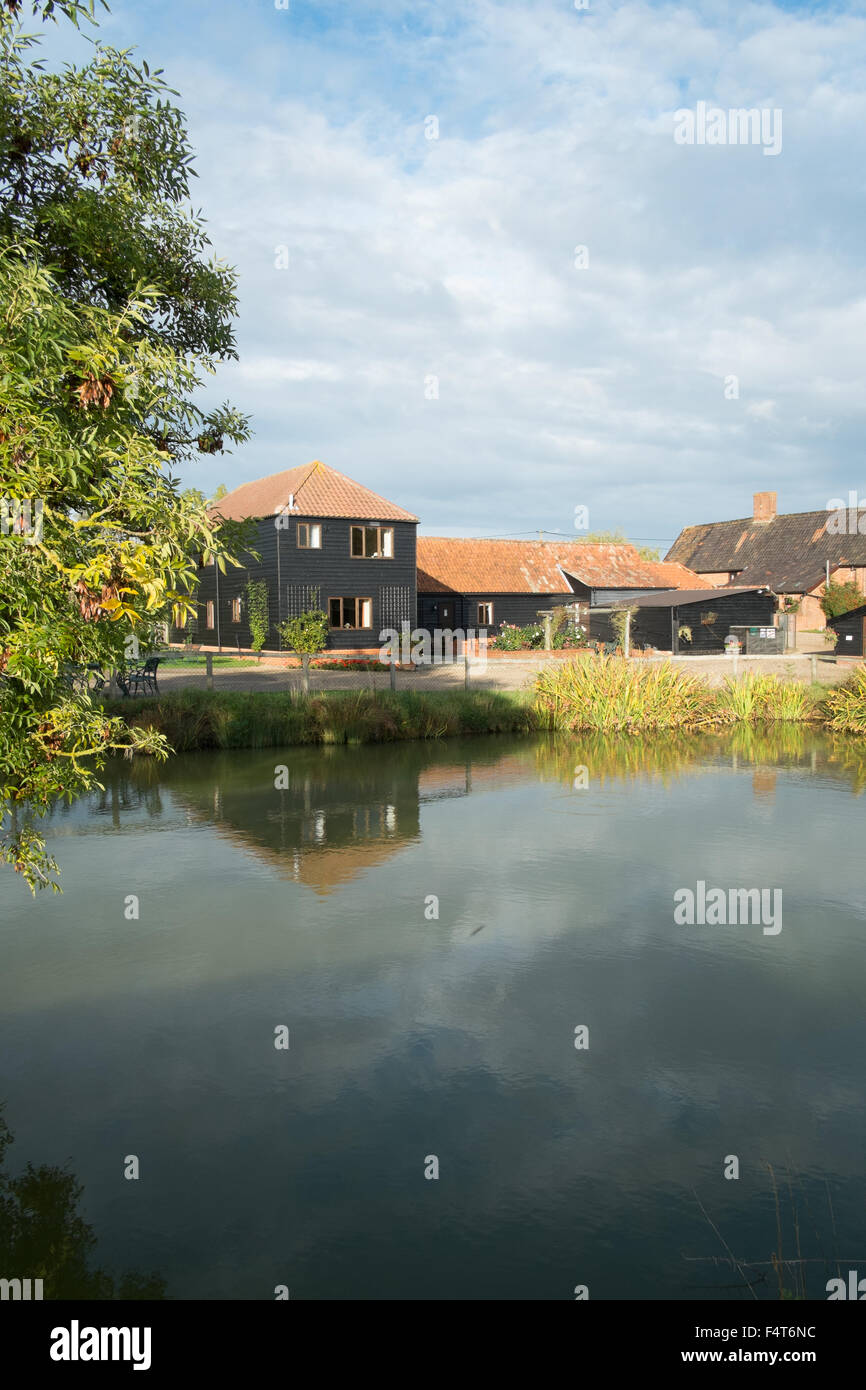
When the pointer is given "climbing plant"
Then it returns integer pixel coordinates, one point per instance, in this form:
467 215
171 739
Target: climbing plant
257 609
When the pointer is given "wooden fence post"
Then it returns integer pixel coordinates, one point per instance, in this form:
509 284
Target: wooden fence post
392 669
208 664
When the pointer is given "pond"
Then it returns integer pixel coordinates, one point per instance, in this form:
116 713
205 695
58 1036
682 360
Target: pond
419 1021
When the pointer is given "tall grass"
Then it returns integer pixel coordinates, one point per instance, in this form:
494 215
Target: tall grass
609 695
844 707
193 719
763 697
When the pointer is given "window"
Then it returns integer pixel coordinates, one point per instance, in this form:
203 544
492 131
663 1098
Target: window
236 610
181 621
372 542
485 615
209 620
309 535
204 561
350 612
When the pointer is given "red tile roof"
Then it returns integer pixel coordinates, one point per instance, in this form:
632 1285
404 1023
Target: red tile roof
317 490
539 567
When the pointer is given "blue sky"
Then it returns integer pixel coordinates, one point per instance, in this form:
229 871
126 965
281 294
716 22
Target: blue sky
411 258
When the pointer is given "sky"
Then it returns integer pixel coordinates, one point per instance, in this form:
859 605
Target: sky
483 272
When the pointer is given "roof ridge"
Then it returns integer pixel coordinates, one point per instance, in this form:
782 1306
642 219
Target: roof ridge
780 516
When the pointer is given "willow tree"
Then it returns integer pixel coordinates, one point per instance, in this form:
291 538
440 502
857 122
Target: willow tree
113 313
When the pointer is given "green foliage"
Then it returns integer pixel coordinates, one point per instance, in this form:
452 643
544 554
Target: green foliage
646 552
844 706
760 697
109 317
198 719
257 610
608 694
306 634
511 638
840 598
619 621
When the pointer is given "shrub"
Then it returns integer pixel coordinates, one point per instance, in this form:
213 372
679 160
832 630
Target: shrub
306 635
840 598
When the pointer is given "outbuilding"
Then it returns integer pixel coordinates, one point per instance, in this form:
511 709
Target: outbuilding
850 630
698 620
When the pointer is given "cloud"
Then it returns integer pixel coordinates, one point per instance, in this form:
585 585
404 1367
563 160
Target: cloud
455 257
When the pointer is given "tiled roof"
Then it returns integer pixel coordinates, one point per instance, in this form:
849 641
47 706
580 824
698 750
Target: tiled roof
317 490
451 564
789 553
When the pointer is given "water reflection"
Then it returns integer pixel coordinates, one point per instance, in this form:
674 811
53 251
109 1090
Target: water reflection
322 816
303 905
43 1236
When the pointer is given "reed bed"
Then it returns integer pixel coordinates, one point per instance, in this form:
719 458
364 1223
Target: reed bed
608 695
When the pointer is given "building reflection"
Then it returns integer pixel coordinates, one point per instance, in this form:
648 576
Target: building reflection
321 816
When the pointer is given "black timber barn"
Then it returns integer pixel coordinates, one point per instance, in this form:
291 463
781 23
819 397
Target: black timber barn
710 615
850 630
324 542
483 583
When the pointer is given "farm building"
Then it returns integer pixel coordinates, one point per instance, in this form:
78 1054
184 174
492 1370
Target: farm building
324 542
699 621
850 630
472 583
789 553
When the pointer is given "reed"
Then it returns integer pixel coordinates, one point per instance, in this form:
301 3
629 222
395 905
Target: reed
843 708
605 694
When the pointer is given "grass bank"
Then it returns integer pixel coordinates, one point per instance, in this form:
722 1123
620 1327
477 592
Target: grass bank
603 695
192 719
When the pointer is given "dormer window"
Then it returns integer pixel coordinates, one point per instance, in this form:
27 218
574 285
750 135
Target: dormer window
372 542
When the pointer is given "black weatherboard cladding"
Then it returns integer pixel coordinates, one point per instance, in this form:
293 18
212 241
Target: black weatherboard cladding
300 578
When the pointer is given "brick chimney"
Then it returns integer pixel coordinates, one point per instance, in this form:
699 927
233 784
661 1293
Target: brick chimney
764 506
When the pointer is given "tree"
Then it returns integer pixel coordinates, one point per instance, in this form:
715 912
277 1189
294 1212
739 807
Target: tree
646 552
306 635
110 314
840 598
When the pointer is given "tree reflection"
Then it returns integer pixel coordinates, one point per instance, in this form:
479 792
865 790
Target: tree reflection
43 1236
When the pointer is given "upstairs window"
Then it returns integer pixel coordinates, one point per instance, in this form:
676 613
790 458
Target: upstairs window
309 535
485 615
372 542
350 612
